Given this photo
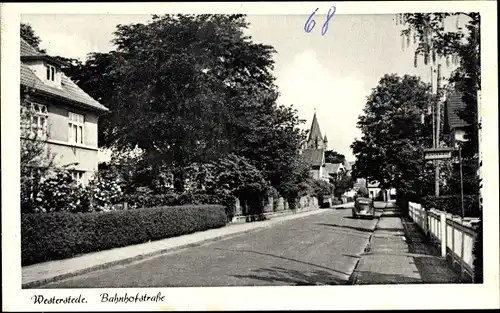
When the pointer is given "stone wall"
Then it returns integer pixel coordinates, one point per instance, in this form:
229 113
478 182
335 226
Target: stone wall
279 205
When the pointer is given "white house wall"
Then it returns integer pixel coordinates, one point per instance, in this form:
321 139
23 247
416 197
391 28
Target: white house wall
86 155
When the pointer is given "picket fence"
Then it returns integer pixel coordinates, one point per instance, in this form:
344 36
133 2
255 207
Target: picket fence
453 235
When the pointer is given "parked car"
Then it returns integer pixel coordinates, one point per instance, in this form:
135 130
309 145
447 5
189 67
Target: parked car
363 207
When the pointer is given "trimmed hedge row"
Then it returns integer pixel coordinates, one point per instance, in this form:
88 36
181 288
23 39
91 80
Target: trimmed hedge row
59 235
146 200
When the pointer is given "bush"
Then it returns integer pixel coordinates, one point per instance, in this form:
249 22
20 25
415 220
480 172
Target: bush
55 192
452 204
60 235
322 189
146 199
103 193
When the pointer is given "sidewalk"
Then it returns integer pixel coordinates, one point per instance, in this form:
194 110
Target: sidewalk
42 273
399 253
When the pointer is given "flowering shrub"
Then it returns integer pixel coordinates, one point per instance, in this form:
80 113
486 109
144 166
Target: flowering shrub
57 192
104 193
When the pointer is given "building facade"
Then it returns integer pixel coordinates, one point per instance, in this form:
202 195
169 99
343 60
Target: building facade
61 114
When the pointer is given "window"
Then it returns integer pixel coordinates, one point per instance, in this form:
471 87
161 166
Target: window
77 176
34 120
76 128
51 73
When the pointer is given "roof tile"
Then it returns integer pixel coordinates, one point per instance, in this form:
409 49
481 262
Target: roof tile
455 104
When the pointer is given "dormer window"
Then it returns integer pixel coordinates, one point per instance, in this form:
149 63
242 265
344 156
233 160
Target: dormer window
51 73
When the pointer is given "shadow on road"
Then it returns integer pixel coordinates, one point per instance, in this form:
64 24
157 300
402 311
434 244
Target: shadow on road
359 218
347 227
390 229
285 258
293 277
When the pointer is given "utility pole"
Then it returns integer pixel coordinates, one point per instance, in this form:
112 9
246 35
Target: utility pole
438 122
433 110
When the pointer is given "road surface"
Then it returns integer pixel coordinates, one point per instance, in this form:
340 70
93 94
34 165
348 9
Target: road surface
320 249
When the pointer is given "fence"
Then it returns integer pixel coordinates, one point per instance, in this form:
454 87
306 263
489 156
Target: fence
453 235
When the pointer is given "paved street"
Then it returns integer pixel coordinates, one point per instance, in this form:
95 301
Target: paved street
314 250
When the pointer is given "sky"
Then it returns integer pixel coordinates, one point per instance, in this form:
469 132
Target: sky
330 74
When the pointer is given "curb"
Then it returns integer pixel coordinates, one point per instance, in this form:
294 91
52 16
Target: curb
37 283
353 279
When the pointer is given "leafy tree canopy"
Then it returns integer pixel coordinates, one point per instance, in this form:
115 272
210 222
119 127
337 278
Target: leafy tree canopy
28 34
192 88
390 150
461 46
334 157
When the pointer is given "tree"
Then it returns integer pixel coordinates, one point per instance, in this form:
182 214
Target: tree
342 183
334 157
390 150
269 135
321 189
191 89
297 183
460 46
182 118
28 34
463 48
232 175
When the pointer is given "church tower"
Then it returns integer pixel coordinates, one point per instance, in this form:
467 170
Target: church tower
316 140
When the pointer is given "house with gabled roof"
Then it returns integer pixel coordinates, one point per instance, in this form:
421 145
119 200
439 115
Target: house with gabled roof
334 170
66 116
454 126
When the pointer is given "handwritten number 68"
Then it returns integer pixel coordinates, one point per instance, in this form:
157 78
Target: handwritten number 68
310 23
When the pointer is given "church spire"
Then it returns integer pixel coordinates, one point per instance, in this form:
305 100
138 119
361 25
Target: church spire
315 132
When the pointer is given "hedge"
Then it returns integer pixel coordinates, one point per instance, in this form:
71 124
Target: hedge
142 200
453 204
59 235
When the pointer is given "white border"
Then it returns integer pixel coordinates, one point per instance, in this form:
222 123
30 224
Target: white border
248 298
